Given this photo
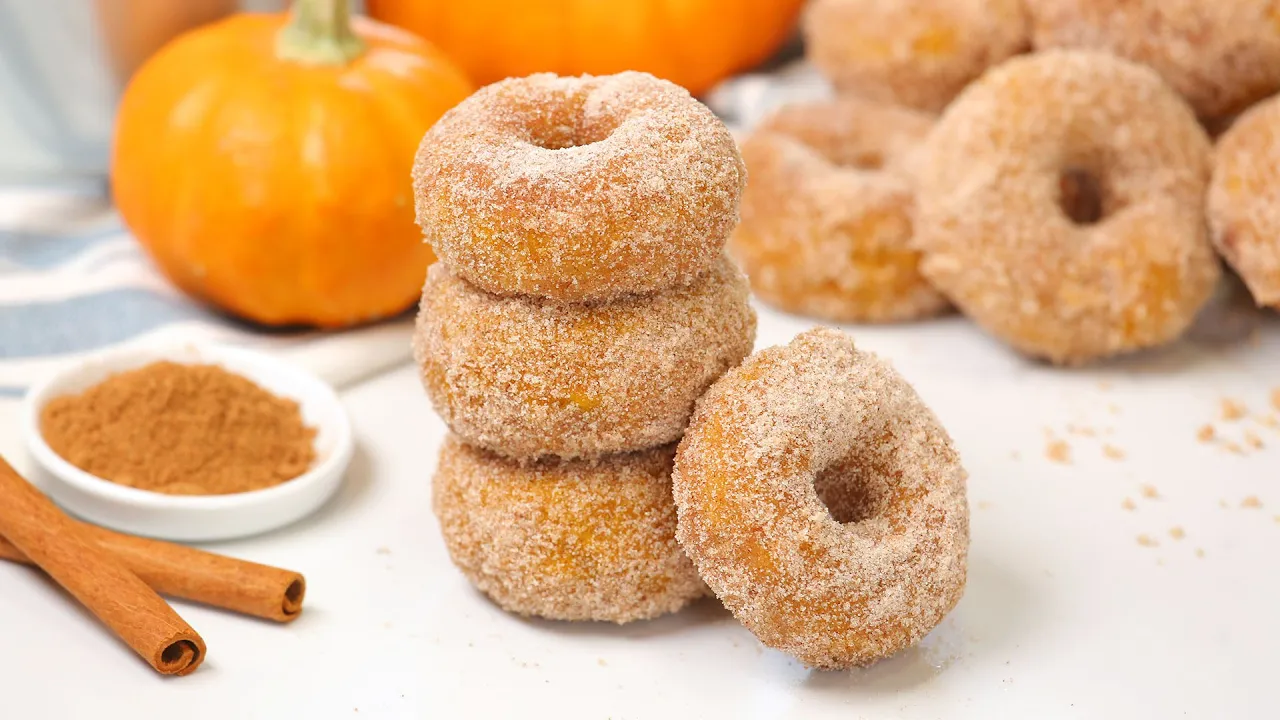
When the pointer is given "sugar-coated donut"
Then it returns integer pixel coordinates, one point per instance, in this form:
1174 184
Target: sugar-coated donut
1222 55
1244 200
566 539
920 54
578 189
827 217
526 378
995 193
823 503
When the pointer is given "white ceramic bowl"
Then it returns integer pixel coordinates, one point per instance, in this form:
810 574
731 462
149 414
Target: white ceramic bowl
186 517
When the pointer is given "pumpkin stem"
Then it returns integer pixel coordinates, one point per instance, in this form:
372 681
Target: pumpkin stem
319 33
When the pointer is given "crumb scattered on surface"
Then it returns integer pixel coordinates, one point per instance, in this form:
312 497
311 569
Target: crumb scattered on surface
1275 398
1223 504
1252 502
1112 452
1058 451
601 662
1104 386
1270 421
1252 440
1233 410
984 505
384 550
1147 541
1177 533
1150 492
1113 408
1206 434
1233 447
1129 504
1082 430
1200 552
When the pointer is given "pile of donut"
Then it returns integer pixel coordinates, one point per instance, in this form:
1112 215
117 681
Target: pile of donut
582 307
1045 166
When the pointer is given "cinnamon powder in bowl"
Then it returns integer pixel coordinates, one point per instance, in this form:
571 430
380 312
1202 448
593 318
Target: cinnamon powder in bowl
181 430
188 442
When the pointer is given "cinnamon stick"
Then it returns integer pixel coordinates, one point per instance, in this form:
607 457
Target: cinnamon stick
204 577
56 543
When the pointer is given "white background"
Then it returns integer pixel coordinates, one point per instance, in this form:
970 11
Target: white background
1066 615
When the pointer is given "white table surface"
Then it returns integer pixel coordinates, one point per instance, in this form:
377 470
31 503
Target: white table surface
1066 614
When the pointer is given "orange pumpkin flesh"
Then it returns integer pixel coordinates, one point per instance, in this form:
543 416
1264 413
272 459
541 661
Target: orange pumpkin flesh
276 189
695 43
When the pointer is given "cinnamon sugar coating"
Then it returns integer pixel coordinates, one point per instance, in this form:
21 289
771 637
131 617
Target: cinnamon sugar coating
1221 55
827 217
1005 167
527 378
578 189
920 54
1244 200
566 540
823 503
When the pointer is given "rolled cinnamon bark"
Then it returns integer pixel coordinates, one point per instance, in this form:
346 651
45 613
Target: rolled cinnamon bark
204 577
56 543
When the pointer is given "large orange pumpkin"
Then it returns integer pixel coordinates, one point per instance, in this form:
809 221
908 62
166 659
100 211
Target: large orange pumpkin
264 162
692 42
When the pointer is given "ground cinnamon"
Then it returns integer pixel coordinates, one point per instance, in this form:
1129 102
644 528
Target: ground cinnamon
182 430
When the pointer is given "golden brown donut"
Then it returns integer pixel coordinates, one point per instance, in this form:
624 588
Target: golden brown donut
823 503
997 224
566 540
920 53
1222 55
526 378
827 217
1244 200
578 189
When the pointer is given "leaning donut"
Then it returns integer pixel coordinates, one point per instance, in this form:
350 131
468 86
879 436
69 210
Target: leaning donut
1222 55
919 53
578 189
827 217
1244 200
526 378
823 503
1007 165
566 540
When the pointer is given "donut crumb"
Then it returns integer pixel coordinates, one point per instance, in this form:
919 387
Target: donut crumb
1058 451
1251 503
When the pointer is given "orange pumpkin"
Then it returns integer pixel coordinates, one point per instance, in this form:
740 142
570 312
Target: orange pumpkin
264 162
691 42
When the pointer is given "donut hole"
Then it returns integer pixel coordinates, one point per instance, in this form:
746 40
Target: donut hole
1080 196
848 492
574 127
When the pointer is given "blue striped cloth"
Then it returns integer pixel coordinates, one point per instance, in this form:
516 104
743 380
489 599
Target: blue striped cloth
89 286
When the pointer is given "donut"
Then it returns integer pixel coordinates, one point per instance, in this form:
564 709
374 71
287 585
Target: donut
527 378
827 217
1221 55
578 189
822 502
919 54
1244 200
566 539
1009 168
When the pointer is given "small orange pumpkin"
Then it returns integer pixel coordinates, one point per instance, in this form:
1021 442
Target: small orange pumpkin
695 43
264 162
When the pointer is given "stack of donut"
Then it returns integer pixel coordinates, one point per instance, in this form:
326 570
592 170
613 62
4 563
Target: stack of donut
1042 165
582 304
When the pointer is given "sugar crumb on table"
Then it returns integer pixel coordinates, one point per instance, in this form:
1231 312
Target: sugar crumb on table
1147 541
1177 533
1206 433
1252 440
1058 451
1112 452
1252 503
1233 410
1150 492
1129 504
